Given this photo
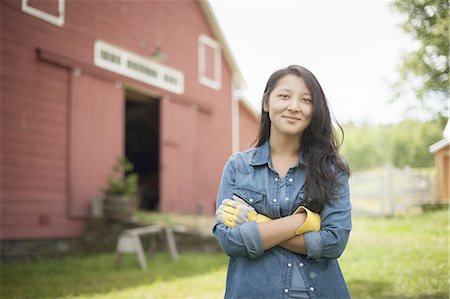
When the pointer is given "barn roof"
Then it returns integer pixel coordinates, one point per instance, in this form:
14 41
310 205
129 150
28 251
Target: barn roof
443 142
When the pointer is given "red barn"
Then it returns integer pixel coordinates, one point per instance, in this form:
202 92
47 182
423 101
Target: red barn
85 82
248 125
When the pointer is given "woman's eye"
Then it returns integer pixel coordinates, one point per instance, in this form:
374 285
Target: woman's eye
284 96
308 100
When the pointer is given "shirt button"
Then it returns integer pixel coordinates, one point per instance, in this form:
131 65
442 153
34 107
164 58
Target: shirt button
276 179
274 200
289 265
251 199
301 264
286 290
311 289
290 180
286 198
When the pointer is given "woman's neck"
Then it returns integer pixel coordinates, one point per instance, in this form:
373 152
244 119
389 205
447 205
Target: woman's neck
284 153
288 146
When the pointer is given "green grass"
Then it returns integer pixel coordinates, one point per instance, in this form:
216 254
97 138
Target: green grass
96 276
403 257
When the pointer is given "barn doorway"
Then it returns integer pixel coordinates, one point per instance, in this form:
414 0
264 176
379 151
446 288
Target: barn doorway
142 145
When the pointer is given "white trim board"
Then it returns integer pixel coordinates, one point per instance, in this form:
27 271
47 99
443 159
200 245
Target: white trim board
35 12
126 63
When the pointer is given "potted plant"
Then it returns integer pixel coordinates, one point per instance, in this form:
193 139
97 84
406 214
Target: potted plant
121 193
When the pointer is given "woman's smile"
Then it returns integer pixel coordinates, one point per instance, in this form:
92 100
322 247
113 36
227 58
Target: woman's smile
291 119
289 106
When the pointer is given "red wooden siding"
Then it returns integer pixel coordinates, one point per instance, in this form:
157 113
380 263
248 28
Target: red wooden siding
179 157
60 133
33 147
248 127
96 138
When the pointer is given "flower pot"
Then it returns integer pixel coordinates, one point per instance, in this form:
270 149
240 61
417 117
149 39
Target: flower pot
119 207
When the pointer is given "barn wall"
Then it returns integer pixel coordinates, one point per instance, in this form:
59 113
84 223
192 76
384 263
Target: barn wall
46 139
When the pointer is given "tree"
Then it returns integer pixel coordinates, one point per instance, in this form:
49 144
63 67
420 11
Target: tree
410 140
363 147
425 69
404 143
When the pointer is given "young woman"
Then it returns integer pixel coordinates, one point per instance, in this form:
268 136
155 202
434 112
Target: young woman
270 198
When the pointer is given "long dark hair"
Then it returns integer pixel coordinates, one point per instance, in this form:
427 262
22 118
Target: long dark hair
319 142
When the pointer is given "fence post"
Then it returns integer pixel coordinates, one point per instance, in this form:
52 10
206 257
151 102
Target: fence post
382 192
391 188
409 181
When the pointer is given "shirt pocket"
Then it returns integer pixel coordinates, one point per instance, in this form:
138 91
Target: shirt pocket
253 198
300 200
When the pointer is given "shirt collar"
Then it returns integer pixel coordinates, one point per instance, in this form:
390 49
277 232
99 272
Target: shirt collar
262 156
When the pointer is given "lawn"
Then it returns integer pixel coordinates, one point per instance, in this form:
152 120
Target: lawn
403 257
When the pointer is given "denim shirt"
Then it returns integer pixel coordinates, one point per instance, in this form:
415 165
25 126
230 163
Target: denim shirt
255 273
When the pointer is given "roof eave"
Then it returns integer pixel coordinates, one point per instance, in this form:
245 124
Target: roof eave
438 145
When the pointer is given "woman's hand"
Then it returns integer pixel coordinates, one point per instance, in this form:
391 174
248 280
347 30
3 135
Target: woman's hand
236 212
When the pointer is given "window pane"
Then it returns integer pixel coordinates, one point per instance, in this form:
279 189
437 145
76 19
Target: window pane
209 63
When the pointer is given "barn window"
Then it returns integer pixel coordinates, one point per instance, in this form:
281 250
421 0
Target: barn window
50 11
209 62
111 57
128 64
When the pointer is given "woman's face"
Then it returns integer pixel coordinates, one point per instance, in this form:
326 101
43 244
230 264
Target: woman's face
289 106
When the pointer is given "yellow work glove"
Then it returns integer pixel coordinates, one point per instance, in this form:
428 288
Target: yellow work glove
236 212
312 221
254 216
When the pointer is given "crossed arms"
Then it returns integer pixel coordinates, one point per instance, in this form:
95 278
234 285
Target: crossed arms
286 232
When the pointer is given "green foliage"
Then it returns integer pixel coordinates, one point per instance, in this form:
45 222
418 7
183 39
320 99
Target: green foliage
123 181
410 142
362 147
426 67
401 144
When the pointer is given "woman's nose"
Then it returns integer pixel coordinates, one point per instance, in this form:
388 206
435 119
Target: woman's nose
294 105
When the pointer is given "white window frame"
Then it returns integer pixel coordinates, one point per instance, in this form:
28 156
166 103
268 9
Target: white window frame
215 83
144 70
55 20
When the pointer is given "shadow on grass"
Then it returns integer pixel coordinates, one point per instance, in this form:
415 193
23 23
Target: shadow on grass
381 289
93 274
367 289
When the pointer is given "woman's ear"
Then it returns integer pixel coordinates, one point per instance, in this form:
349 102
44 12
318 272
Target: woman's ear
265 106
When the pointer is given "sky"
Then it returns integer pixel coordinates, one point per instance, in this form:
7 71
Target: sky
352 47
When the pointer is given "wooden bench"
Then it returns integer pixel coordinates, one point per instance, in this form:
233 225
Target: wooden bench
129 241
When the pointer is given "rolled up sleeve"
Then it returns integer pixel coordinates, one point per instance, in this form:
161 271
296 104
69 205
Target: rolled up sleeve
244 240
252 239
336 225
314 245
